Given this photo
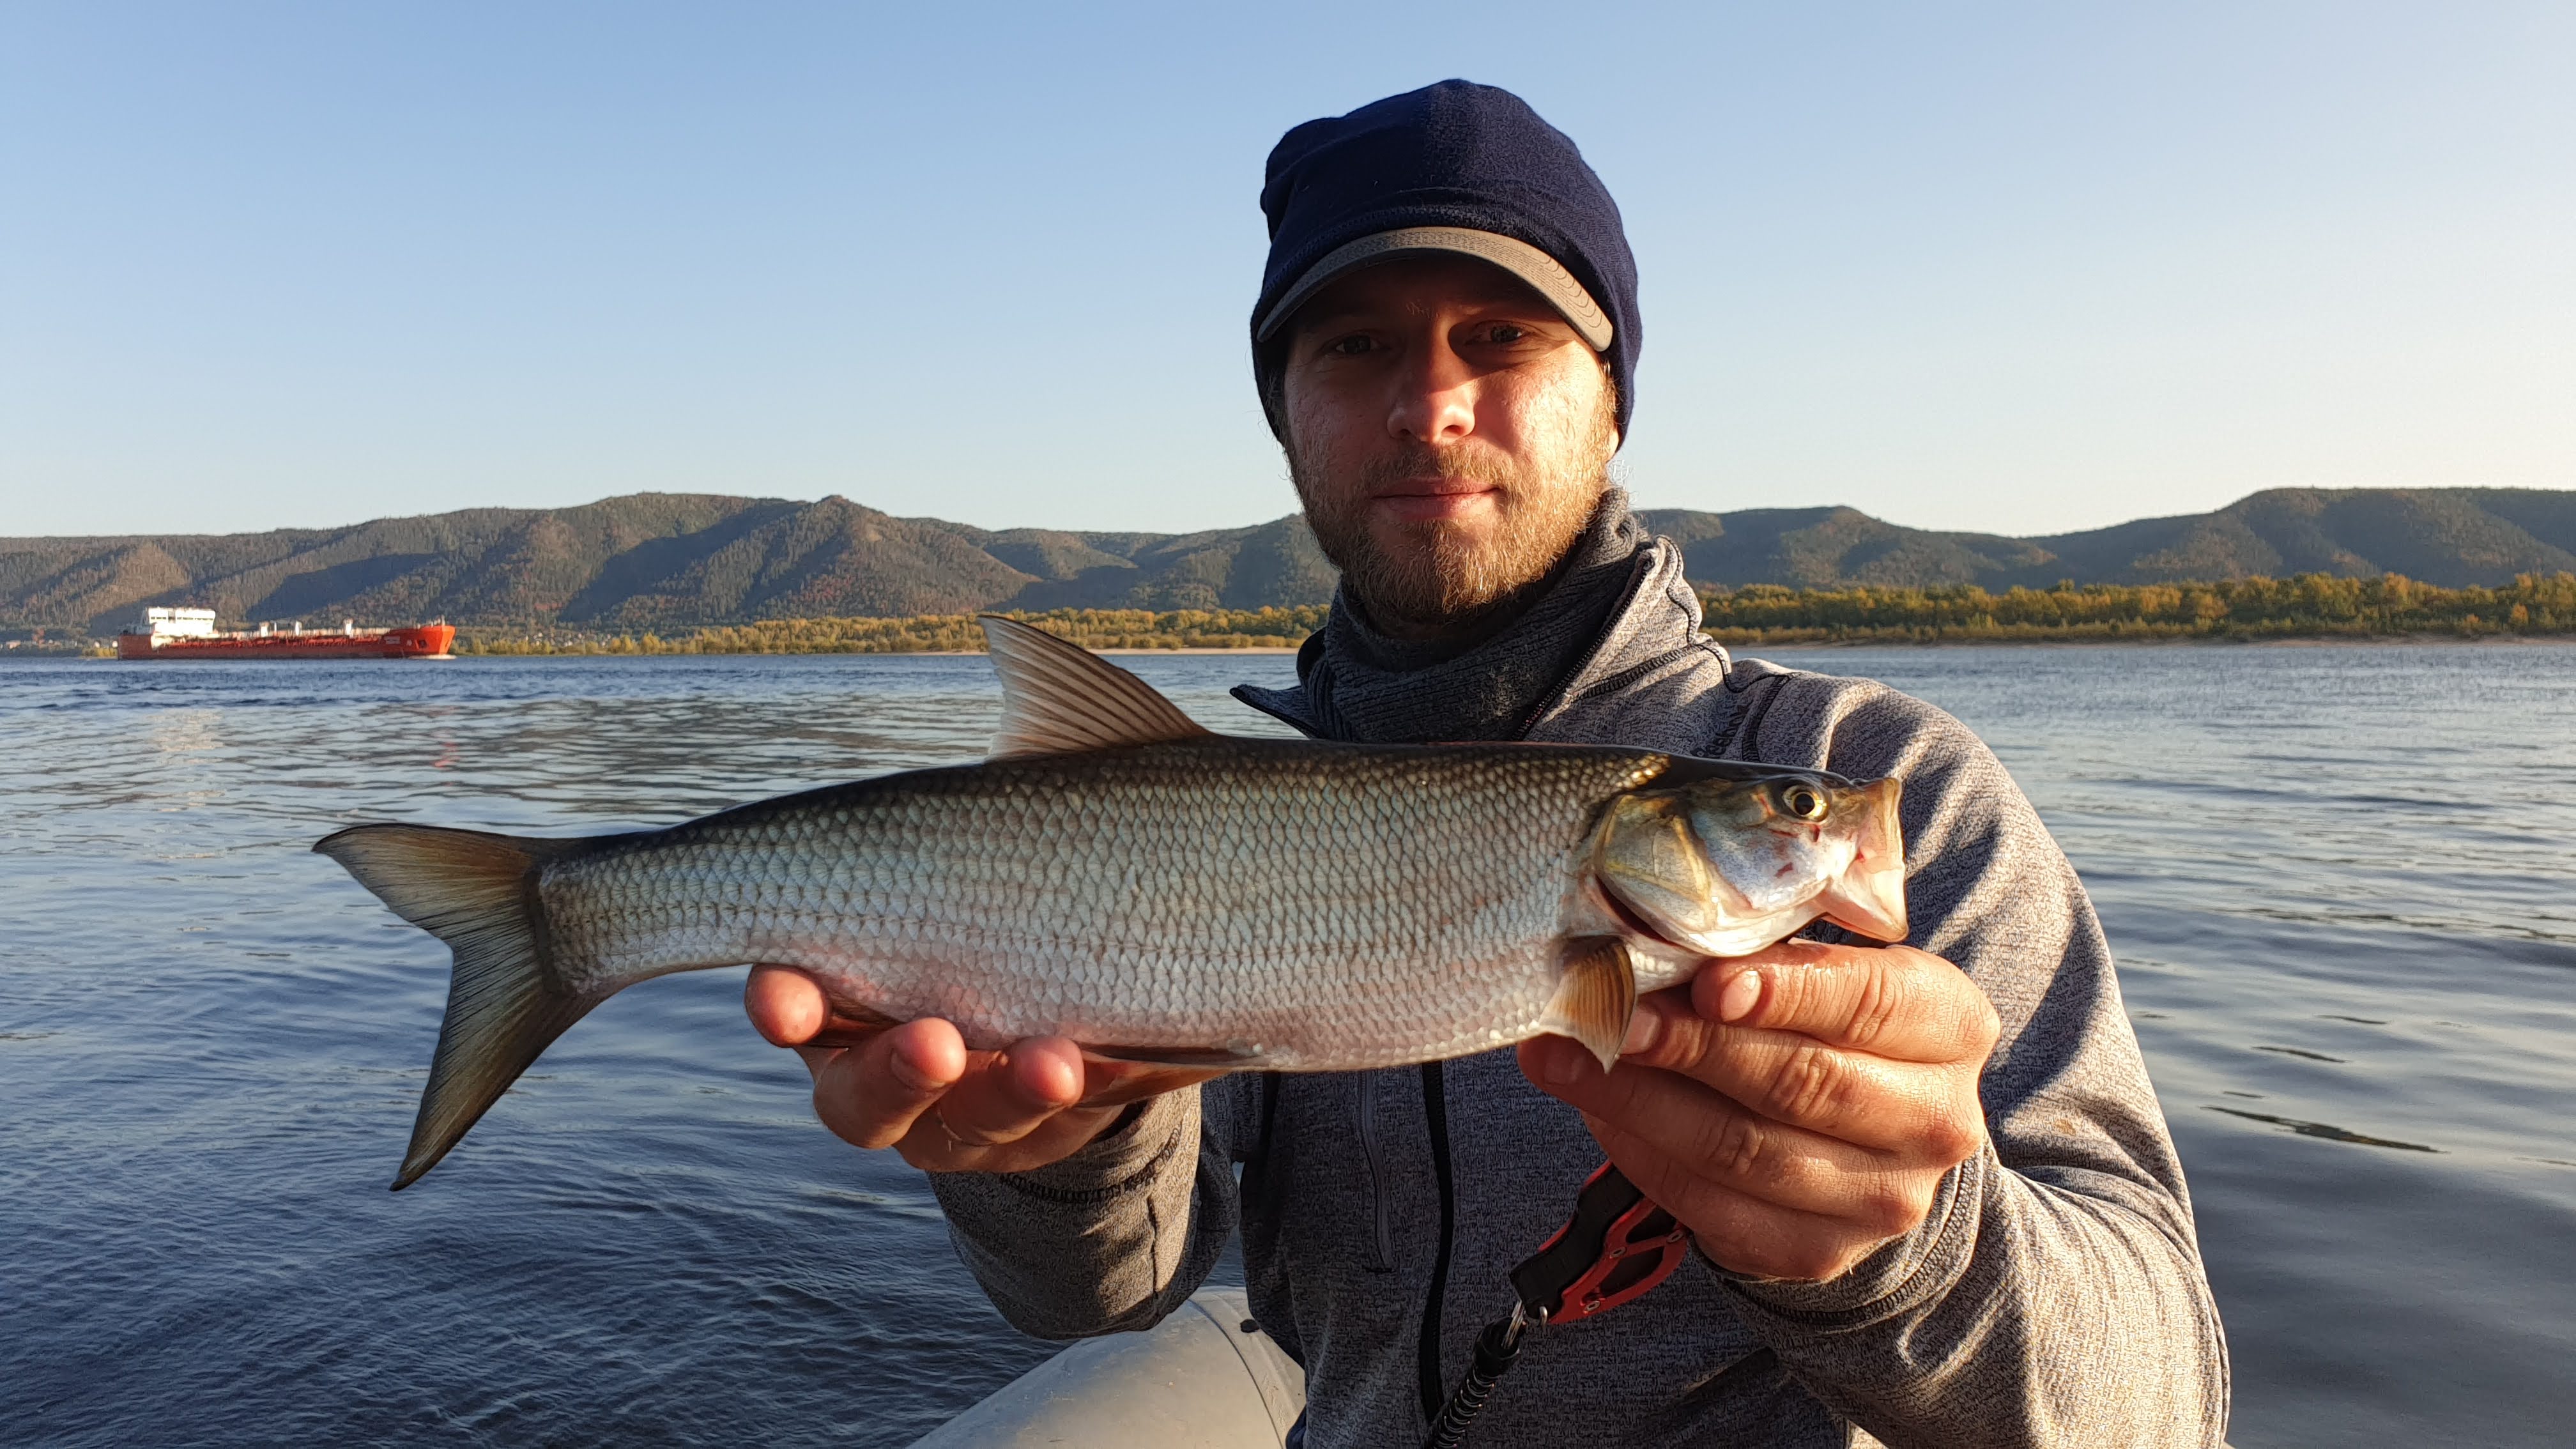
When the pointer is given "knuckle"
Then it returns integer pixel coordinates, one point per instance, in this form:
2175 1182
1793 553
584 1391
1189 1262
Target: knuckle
1808 1262
1682 1035
1809 1085
1704 1208
1785 992
964 1137
1894 1207
869 1132
1879 1003
1952 1138
1735 1145
1988 1025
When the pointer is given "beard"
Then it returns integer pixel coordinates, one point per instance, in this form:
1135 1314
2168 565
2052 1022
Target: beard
1440 574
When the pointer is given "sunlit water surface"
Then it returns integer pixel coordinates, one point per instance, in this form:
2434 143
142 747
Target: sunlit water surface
2339 881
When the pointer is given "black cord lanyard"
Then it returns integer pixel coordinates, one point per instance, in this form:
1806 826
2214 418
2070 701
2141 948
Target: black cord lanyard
1616 1247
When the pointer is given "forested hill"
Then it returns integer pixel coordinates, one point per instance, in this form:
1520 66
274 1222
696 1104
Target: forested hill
663 560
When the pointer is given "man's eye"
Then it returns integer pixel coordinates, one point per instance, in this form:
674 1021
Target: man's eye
1349 347
1505 332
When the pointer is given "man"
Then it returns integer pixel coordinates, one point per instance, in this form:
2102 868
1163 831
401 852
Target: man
1933 1197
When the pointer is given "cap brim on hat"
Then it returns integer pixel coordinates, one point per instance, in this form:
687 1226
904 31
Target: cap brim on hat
1543 272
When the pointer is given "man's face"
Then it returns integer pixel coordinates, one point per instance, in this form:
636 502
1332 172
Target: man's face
1449 434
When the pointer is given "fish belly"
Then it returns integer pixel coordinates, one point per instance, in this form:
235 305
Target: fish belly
1307 907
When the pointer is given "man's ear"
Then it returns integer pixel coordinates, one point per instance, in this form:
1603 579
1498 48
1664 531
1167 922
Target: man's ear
1610 400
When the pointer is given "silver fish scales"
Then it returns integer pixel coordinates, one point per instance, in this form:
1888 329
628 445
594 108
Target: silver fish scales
1160 894
1303 906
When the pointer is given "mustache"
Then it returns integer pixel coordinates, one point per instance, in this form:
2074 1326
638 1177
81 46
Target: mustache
1417 461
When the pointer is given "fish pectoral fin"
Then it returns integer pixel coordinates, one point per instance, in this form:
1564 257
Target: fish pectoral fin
1232 1057
1594 997
1059 698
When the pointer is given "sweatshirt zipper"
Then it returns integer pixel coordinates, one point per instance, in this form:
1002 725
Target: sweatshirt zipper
1380 1256
1435 1111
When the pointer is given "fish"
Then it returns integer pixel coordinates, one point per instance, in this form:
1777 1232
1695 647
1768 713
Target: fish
1171 899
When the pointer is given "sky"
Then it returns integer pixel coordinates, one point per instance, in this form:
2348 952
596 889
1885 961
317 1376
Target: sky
2012 268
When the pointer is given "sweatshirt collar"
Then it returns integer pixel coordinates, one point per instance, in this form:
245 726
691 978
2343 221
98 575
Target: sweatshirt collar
1618 603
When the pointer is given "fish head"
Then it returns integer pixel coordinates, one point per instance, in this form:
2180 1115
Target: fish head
1733 860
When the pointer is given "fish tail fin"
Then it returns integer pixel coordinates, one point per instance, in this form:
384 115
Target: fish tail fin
505 1002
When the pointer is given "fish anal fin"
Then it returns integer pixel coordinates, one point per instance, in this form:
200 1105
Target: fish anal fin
1059 698
1232 1057
1114 1084
846 1025
1595 996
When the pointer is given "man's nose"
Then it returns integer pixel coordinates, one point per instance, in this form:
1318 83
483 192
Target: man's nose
1435 395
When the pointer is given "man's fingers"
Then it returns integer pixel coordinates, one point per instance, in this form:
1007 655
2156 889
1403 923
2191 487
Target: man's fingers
1895 1106
872 1094
1905 1107
1005 1096
1888 1001
1797 1107
1902 1107
916 1087
1736 1229
785 1005
1749 1153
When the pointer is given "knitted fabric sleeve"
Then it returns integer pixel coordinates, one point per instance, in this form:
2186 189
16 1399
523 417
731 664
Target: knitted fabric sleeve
2055 1294
1109 1239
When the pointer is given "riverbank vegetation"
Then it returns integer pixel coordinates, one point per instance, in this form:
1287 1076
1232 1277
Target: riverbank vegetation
1277 628
2309 606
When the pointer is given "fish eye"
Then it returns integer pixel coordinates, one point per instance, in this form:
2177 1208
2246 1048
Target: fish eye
1803 801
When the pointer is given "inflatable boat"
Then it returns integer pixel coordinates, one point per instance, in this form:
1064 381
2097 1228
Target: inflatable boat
1204 1378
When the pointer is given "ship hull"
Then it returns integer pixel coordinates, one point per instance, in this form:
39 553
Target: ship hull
426 641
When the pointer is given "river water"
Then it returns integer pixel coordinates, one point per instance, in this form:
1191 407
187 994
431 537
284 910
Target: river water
2339 881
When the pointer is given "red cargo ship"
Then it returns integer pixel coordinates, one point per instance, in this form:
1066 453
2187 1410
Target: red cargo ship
191 634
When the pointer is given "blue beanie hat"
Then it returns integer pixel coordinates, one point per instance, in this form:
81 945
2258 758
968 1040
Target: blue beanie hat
1454 167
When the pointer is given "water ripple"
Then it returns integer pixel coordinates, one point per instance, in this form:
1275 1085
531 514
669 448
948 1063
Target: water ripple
211 1045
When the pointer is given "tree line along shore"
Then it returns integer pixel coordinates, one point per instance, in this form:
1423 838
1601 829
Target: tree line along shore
2307 606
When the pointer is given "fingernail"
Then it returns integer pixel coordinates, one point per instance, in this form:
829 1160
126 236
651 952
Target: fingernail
1739 997
910 1076
1645 1028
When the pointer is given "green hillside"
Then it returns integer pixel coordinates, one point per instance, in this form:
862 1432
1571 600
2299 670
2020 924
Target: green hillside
675 562
2450 537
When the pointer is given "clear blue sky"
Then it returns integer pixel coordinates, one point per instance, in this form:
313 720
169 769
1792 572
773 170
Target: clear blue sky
2019 268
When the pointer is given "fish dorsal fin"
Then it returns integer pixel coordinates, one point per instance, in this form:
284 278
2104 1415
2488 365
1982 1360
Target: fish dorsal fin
1061 699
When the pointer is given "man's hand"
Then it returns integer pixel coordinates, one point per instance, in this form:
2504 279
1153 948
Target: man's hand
1795 1108
917 1089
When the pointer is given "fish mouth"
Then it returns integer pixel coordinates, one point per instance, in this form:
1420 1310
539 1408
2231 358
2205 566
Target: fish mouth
1868 898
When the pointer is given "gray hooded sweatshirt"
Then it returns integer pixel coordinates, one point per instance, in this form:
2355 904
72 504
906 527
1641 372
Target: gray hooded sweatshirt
2054 1295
